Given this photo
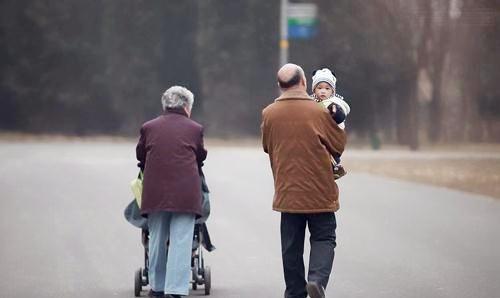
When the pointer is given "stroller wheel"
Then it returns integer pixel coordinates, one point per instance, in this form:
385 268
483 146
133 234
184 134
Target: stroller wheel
138 282
145 277
208 280
195 285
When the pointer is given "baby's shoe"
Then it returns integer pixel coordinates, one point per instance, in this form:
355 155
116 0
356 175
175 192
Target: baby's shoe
338 171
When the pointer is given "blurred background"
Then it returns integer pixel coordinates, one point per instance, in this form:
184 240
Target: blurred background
78 79
414 71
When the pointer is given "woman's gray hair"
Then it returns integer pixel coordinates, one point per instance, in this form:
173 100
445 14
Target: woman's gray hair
177 97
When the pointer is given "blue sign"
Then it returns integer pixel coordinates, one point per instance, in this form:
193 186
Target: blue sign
302 20
301 31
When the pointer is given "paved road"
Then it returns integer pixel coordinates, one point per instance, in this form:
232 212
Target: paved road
63 235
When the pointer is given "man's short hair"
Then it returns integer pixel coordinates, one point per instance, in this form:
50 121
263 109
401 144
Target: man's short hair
294 80
177 97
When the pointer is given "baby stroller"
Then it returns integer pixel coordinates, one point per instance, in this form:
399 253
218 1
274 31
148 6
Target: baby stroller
200 273
201 240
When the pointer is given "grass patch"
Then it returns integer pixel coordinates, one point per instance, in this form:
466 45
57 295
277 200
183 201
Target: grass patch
481 176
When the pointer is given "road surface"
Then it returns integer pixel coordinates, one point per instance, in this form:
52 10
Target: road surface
63 233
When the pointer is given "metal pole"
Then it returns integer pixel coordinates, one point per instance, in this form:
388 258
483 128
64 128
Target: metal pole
284 33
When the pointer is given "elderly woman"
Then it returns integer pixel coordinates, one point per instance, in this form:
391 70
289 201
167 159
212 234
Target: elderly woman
170 152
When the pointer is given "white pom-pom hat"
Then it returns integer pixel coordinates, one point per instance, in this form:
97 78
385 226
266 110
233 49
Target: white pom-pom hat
323 75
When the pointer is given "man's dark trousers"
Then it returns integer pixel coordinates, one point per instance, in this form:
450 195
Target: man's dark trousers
322 229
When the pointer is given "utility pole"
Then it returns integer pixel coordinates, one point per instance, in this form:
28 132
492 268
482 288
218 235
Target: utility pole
284 33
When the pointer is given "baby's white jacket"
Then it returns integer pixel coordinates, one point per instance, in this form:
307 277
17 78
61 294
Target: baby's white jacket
338 100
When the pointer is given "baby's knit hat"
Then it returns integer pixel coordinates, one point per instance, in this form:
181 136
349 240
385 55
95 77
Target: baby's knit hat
323 75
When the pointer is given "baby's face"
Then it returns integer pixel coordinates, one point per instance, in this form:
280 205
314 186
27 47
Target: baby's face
323 91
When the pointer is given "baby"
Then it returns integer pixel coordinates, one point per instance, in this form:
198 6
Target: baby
323 87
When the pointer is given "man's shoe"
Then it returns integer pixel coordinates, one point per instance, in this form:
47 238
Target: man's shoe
173 296
315 290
